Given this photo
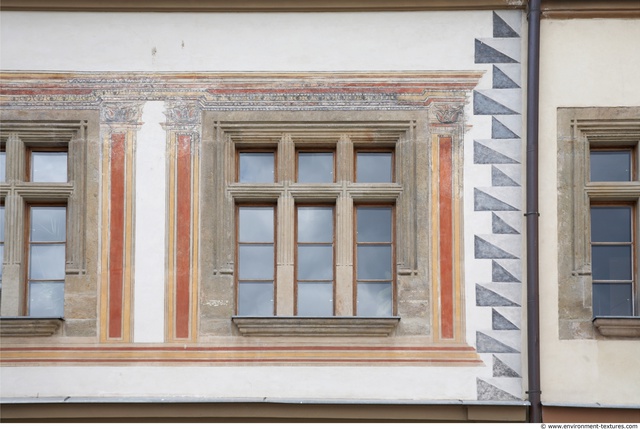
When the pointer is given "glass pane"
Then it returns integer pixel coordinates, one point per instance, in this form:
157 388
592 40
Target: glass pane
46 299
256 167
1 223
3 166
315 224
374 167
315 262
48 223
611 262
255 261
255 299
610 166
374 262
256 224
315 299
1 260
612 299
315 167
374 300
48 166
611 224
46 262
374 224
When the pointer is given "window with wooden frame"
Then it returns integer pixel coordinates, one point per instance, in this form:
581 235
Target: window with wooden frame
43 195
598 195
45 256
315 225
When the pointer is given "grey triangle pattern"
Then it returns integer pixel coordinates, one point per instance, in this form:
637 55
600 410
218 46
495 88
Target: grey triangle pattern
487 344
503 102
499 226
501 80
501 323
501 369
501 131
501 28
485 202
485 155
489 392
499 274
499 178
483 105
488 298
485 54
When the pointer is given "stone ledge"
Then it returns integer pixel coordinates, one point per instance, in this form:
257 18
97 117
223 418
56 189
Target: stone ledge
29 326
618 326
315 326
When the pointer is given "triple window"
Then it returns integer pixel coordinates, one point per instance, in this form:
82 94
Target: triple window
316 237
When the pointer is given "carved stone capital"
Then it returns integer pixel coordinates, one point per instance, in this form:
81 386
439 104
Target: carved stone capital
448 113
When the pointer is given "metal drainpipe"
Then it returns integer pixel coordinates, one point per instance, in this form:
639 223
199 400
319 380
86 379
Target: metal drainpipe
532 214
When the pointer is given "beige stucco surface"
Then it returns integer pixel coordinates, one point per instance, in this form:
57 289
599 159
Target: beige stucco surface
584 63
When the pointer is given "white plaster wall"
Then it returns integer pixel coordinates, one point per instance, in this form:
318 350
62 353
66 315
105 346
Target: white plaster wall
150 213
584 63
355 383
241 41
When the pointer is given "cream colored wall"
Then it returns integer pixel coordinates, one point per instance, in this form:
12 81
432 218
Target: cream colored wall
584 63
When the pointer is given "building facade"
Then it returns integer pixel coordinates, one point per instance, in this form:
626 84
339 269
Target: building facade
312 213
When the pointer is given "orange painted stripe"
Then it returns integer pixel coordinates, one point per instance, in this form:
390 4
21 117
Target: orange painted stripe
183 232
446 237
116 229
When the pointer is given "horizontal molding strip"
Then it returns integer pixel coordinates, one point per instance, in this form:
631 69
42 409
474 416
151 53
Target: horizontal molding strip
304 355
257 5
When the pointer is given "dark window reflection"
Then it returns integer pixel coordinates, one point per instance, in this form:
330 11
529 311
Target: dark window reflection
610 165
612 299
610 224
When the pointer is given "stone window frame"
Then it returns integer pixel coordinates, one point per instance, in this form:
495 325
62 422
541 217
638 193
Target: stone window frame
21 131
403 131
579 129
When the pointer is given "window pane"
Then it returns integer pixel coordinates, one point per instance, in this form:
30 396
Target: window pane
48 166
255 261
1 223
612 299
46 262
315 167
374 262
255 299
315 262
610 166
315 224
315 299
611 262
46 299
3 166
374 167
256 167
611 224
1 260
256 224
48 223
374 300
374 224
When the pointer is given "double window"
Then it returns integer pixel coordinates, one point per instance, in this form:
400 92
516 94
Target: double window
598 197
316 227
41 193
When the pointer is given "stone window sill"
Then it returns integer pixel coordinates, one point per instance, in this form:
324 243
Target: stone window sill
29 326
611 326
278 326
